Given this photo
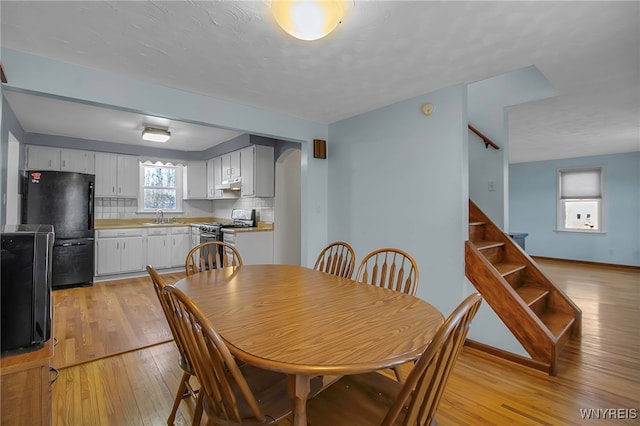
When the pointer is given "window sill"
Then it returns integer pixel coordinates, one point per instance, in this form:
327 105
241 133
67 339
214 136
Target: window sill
579 231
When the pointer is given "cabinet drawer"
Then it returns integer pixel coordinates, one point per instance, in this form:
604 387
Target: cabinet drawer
180 230
118 233
157 231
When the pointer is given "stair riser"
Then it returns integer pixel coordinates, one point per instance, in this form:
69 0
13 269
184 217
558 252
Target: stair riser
493 254
539 306
476 232
515 278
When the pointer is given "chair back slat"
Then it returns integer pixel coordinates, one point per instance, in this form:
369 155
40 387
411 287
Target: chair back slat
211 255
423 389
159 285
220 377
337 259
390 268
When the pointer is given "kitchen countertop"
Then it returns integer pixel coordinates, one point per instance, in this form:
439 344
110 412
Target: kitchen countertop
183 221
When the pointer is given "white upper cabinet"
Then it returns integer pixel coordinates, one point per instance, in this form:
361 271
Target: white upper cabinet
59 159
106 174
42 158
230 165
257 163
196 182
116 175
73 160
215 177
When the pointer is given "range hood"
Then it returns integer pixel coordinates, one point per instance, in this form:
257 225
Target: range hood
232 184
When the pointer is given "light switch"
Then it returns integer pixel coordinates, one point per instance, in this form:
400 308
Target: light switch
492 185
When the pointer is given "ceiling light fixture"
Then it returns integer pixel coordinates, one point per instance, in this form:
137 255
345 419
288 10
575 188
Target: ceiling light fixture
155 135
308 19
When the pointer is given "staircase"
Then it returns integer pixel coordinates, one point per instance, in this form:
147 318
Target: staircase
540 315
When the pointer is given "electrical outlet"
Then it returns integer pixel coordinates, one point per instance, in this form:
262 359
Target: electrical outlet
492 185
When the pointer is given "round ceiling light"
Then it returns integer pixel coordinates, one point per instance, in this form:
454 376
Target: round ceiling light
308 19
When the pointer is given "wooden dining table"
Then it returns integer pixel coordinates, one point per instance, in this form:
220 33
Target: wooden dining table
308 323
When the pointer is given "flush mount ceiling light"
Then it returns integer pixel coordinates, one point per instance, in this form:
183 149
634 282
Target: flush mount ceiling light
308 19
155 135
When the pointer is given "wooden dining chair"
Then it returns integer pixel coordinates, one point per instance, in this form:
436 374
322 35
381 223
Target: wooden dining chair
390 268
229 394
373 399
211 255
184 388
337 259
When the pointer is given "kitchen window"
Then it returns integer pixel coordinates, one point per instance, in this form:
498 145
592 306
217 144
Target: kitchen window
160 187
581 199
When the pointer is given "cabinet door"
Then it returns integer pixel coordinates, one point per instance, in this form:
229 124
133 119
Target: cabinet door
196 182
74 160
180 246
42 158
216 176
247 167
234 164
128 175
158 251
106 174
256 248
107 256
131 258
211 180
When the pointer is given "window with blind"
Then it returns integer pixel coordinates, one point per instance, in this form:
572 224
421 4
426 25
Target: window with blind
580 198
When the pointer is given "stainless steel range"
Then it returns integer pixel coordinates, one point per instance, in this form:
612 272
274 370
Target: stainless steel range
240 218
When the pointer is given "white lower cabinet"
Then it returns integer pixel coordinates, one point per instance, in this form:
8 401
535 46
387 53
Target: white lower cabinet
119 251
158 248
180 245
255 247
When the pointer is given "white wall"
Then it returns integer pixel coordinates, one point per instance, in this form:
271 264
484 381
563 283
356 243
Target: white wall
12 196
286 235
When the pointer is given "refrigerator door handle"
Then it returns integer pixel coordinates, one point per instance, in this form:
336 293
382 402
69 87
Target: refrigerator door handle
90 205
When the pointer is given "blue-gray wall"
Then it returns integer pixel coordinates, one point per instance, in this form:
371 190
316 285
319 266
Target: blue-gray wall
487 104
399 179
533 210
49 77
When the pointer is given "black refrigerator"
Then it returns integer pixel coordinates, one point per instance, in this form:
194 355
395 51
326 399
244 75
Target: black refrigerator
66 201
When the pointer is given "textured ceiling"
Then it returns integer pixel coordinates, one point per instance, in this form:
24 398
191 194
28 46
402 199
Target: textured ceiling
383 52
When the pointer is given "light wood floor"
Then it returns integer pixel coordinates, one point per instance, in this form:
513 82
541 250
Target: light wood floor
599 371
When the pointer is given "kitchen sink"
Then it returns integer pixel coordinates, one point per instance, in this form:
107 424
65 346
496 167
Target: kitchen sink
161 224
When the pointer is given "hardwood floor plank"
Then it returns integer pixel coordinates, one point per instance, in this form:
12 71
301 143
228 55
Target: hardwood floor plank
601 370
108 318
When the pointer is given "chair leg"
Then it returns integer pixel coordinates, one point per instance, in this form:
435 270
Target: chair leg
182 389
197 414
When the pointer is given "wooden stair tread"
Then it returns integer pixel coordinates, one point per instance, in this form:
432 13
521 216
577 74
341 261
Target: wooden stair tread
558 323
506 268
531 294
484 244
476 223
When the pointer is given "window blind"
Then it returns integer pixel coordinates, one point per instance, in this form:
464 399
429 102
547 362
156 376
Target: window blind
581 184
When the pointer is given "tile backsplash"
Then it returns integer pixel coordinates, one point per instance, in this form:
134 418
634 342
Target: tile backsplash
125 208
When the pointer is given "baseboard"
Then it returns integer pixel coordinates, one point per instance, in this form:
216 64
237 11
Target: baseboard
588 262
509 356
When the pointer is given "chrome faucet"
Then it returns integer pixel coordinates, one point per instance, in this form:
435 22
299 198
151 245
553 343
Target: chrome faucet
160 218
